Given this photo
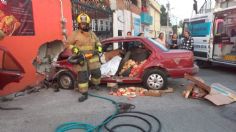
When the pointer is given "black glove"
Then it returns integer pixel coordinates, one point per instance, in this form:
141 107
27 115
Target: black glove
77 59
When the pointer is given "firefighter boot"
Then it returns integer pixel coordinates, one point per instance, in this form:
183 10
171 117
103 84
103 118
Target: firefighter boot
83 97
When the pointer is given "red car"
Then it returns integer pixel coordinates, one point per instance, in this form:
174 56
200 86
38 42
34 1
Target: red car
10 69
157 63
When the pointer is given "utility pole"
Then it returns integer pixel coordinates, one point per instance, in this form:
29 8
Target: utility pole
167 17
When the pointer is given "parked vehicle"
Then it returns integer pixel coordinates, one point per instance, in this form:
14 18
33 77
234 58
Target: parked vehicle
159 63
214 36
10 69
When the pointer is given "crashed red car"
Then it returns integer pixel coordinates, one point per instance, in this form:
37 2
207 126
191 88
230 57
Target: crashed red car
10 69
153 63
160 63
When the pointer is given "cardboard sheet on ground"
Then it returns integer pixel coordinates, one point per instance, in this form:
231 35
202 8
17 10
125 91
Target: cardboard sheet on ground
220 95
110 68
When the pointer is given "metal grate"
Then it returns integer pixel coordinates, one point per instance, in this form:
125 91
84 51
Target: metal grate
100 13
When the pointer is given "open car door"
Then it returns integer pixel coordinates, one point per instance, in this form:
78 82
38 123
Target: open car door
10 69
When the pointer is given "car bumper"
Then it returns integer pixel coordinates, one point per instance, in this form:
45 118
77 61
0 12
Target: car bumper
179 73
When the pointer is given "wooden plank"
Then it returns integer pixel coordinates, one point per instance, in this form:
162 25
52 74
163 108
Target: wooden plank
188 90
197 82
168 90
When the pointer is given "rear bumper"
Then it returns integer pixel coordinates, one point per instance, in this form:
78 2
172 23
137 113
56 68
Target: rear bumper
179 73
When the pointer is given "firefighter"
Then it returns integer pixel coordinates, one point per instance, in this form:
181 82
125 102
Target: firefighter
86 45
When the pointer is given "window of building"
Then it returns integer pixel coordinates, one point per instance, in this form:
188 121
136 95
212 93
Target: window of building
135 2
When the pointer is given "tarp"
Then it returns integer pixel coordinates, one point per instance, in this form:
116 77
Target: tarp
110 68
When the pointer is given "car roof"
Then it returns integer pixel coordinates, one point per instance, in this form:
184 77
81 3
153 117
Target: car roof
121 38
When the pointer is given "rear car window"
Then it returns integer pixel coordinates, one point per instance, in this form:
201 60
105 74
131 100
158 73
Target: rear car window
9 63
157 44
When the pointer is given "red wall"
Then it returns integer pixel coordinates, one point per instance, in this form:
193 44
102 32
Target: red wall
47 26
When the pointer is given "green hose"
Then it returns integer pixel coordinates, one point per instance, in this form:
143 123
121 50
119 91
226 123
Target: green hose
117 114
88 127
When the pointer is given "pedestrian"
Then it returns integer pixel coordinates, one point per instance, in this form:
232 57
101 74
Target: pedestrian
174 42
187 42
86 45
128 45
141 34
129 33
161 39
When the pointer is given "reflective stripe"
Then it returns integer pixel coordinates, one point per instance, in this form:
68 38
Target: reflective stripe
75 50
94 59
96 81
83 85
99 49
86 47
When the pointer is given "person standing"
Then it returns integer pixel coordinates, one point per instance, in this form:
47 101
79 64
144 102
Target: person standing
141 34
161 39
187 42
129 34
84 43
174 42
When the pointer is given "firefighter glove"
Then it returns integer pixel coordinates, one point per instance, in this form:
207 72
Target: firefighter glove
75 50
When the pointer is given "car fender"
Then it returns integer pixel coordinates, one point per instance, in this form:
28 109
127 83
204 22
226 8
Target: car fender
158 66
60 71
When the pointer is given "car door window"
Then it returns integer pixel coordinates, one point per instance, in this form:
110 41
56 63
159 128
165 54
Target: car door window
9 63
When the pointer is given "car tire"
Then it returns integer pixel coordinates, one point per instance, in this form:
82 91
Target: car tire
66 80
155 79
203 64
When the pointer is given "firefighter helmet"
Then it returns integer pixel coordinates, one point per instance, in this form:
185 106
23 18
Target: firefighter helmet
83 18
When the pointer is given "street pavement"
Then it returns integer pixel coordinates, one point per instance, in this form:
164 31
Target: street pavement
45 110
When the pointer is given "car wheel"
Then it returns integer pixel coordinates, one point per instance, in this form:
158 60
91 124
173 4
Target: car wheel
155 79
65 80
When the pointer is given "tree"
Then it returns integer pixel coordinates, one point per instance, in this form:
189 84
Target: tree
164 16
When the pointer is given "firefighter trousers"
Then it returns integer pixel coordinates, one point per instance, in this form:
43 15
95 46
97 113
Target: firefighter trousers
91 67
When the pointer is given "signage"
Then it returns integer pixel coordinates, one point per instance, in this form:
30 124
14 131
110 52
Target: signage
16 17
200 29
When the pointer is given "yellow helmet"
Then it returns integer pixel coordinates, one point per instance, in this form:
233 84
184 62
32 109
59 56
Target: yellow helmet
83 18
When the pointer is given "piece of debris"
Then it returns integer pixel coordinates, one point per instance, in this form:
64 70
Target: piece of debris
154 93
168 90
112 85
221 95
188 90
216 93
198 82
198 93
132 92
129 92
